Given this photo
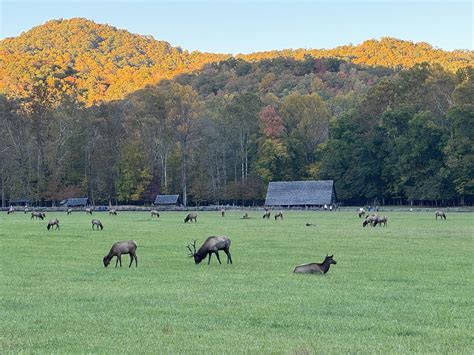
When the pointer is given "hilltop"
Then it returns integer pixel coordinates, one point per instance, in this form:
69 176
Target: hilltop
103 63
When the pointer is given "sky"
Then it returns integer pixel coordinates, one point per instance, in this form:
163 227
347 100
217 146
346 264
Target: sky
223 26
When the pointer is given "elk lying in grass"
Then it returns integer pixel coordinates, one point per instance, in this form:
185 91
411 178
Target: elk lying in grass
155 213
53 222
310 225
112 212
36 215
279 215
119 248
89 210
191 217
211 245
266 215
440 214
316 268
97 224
69 211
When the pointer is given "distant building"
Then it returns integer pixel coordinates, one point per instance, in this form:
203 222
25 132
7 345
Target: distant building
301 193
75 202
167 200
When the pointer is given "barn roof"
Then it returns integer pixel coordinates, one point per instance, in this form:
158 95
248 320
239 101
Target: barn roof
19 200
300 193
76 201
166 199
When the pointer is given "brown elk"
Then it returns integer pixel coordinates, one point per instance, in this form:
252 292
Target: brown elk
316 268
440 214
245 216
370 219
36 215
113 212
211 245
155 213
69 211
89 210
11 210
26 210
361 212
53 222
191 217
97 224
223 212
279 215
381 220
119 248
266 215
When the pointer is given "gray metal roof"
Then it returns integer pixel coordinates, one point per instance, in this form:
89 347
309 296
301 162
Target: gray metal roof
300 193
19 200
166 199
77 201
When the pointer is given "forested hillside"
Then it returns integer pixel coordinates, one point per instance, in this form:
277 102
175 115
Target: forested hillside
87 109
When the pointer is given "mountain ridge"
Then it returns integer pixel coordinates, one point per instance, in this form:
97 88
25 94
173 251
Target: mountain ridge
106 63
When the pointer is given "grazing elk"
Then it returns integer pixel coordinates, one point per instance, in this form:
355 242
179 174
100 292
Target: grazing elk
97 224
53 222
370 220
223 212
69 211
113 212
89 210
211 245
440 214
361 212
279 215
119 248
26 210
11 210
245 216
36 215
316 268
266 215
191 217
381 220
155 213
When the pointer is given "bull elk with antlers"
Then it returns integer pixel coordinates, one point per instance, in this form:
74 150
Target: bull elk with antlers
211 245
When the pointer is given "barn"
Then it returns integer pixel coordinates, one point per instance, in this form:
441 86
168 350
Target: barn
19 202
75 202
312 193
166 200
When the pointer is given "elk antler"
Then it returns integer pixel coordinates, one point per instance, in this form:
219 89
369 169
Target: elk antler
190 251
194 246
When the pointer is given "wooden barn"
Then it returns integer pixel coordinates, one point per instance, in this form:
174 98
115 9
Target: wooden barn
75 202
301 193
166 200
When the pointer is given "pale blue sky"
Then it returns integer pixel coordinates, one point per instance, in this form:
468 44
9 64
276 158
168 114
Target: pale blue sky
247 26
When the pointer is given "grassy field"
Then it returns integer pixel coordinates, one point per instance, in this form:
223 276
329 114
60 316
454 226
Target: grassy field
404 288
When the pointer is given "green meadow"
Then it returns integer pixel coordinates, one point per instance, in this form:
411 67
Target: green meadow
401 289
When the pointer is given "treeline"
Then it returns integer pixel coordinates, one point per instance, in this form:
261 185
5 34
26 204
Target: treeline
222 133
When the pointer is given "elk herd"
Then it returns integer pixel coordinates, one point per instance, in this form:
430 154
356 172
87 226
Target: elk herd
212 244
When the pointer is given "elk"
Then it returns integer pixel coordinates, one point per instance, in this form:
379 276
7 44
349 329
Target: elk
89 210
370 220
316 268
98 224
266 215
440 214
53 222
381 220
223 212
245 216
69 211
112 212
191 217
26 210
211 245
36 215
11 210
361 212
279 215
155 213
119 248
